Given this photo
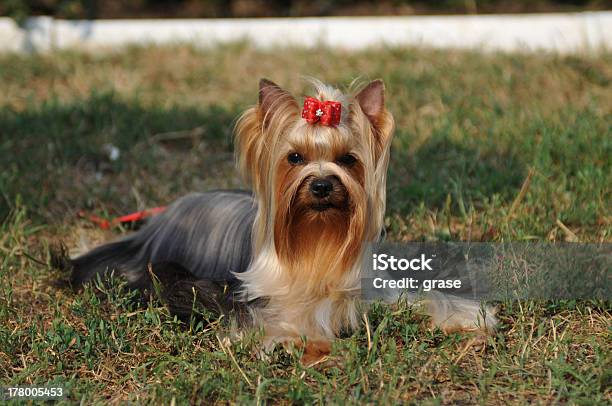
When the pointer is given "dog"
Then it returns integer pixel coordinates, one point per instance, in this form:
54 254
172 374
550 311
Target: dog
285 257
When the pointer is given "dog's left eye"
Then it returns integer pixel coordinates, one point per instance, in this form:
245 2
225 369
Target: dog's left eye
295 158
347 160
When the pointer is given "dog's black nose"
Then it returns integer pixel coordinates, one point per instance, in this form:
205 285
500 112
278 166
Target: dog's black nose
321 188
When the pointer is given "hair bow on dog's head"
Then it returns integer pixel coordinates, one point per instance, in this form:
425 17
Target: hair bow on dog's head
324 112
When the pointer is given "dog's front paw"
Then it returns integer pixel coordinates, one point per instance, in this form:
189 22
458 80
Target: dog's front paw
315 351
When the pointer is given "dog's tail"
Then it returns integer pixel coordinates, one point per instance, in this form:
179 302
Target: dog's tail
119 256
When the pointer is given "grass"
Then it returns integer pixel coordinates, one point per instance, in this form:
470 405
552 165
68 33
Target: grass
497 147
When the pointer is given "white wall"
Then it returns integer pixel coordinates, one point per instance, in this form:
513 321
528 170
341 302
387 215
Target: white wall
564 33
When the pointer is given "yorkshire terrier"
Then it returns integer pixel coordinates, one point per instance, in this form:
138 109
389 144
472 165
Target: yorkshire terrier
286 256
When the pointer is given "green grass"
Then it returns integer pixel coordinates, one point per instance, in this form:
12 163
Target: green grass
471 129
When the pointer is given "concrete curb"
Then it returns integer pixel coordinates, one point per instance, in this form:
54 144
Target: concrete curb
562 33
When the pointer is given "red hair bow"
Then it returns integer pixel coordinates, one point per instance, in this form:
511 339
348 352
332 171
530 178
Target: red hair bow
324 112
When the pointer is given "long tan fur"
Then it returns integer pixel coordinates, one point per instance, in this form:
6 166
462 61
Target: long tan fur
306 264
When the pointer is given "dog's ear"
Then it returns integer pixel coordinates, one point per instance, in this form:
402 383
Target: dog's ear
273 99
371 99
267 90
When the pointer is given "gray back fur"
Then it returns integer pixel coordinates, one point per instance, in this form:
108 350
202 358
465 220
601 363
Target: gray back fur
209 234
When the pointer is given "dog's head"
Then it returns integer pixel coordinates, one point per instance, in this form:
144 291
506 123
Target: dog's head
318 170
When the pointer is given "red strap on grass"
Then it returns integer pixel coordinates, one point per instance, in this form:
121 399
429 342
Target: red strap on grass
126 219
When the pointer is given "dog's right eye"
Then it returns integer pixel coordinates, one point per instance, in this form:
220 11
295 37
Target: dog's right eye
347 160
295 159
